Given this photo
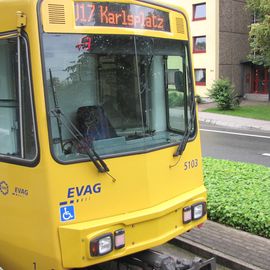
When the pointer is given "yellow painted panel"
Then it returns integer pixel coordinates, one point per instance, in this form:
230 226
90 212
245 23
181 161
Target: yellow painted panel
51 10
144 199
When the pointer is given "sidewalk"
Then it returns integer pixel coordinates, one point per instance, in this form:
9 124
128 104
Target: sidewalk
232 121
234 249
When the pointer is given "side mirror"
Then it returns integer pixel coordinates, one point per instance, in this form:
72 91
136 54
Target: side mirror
179 81
198 99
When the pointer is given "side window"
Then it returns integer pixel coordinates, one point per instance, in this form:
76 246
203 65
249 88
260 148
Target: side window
176 91
17 130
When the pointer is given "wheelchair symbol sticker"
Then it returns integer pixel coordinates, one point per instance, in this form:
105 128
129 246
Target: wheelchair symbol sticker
67 213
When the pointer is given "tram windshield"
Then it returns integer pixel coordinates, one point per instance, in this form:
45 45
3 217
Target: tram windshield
124 94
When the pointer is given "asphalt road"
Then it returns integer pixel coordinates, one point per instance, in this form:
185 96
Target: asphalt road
236 145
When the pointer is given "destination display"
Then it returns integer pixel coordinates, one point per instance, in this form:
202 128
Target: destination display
120 15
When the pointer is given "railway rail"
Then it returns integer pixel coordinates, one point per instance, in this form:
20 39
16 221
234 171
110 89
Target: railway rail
153 259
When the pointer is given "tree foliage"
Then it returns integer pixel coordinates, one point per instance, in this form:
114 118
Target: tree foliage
259 34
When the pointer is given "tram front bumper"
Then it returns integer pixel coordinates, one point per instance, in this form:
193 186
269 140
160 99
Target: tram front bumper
142 229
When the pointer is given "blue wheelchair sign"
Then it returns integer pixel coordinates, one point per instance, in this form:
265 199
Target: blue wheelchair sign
67 213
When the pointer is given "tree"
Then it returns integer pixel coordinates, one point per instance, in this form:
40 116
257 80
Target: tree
259 35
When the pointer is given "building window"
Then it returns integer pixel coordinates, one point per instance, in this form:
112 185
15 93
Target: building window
199 44
199 12
200 76
17 129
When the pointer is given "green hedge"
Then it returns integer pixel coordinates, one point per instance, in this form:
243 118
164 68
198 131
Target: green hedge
238 195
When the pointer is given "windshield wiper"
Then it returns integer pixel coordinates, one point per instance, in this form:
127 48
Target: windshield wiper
76 134
182 146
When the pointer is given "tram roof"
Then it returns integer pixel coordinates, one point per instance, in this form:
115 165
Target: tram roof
175 4
12 6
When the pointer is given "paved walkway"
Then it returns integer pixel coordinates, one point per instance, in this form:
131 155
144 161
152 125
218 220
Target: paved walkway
232 121
234 249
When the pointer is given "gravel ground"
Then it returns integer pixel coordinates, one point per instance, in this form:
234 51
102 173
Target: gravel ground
178 252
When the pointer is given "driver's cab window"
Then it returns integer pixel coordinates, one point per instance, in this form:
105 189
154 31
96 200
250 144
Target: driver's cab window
17 132
114 93
99 97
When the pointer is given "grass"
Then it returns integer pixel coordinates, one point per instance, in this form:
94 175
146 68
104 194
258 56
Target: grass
238 195
261 112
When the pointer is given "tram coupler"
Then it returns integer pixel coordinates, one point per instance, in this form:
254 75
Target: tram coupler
154 260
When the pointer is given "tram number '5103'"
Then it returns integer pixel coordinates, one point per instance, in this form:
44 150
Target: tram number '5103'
191 164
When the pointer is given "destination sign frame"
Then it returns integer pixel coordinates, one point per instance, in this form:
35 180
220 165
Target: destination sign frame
121 15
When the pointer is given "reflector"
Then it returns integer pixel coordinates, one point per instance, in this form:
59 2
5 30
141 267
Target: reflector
187 216
119 238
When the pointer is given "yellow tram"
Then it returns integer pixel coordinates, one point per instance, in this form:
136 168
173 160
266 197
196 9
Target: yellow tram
99 144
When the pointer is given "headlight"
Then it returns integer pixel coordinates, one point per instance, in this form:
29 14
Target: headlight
194 212
198 210
101 245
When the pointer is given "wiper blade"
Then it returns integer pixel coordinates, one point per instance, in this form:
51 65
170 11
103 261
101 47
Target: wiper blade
182 146
77 135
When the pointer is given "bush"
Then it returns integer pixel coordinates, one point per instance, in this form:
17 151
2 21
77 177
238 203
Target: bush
175 98
223 93
238 195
